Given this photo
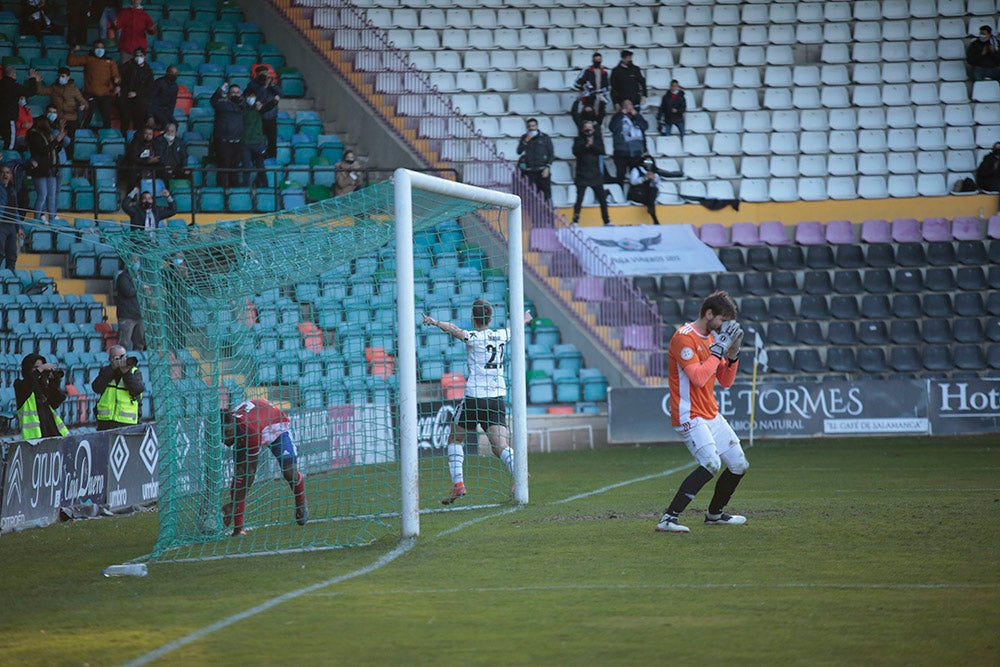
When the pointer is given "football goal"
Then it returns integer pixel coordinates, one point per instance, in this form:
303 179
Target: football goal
344 318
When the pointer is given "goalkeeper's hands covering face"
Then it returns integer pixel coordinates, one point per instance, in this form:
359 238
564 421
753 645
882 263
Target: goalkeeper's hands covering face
724 339
734 347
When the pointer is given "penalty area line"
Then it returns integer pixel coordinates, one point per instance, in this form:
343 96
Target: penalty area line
400 549
612 487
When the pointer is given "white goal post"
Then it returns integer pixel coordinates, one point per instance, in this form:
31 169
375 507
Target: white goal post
405 181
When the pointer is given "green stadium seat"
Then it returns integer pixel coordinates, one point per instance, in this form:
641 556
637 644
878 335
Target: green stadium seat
240 200
293 84
212 200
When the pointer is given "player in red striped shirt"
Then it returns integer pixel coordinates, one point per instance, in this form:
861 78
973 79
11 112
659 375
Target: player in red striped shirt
247 428
700 353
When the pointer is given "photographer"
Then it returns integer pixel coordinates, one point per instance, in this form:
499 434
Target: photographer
988 171
38 395
120 387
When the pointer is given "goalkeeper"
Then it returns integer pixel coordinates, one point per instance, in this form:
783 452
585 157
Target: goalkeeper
247 428
700 353
485 390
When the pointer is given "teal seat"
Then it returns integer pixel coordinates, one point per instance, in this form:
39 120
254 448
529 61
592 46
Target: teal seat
292 82
271 55
567 385
240 200
594 384
245 54
250 33
212 200
568 357
540 389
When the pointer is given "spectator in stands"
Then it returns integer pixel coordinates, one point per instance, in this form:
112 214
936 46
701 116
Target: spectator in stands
142 161
101 82
347 179
133 24
983 55
173 154
988 171
588 148
11 233
228 133
535 149
10 92
45 144
131 334
265 88
254 141
143 213
120 386
137 82
644 185
588 108
163 99
593 81
107 12
627 82
78 20
67 99
38 395
24 122
628 134
672 110
37 21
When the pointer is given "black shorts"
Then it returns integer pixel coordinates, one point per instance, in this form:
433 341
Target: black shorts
483 411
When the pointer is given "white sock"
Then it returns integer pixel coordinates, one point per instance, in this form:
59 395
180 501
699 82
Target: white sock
507 456
456 456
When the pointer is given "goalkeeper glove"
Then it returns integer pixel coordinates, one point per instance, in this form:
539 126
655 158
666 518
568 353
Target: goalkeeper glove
723 339
734 347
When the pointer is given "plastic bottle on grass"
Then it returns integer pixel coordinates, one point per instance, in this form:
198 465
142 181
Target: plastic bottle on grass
126 570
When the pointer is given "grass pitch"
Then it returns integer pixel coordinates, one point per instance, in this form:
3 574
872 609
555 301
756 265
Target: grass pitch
856 552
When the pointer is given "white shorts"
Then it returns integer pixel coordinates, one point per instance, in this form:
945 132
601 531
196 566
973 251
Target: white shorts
712 442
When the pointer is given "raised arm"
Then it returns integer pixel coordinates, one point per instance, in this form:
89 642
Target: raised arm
448 327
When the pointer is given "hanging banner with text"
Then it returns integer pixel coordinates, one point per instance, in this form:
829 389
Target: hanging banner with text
783 409
965 406
640 250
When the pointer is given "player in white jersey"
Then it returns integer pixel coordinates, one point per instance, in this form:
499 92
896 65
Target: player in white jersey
485 390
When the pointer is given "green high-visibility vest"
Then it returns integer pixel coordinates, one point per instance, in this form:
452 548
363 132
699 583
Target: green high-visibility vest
116 404
31 426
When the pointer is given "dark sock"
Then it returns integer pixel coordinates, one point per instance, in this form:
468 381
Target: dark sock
689 489
728 481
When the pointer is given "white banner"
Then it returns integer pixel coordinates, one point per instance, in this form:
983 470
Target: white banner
640 250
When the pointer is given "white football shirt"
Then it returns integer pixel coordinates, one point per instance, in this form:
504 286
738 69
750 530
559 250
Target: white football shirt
485 353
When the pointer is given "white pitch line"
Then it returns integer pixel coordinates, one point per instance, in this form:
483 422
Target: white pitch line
611 487
646 586
400 549
404 546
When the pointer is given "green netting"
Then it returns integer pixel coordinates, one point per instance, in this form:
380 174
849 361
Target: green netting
299 307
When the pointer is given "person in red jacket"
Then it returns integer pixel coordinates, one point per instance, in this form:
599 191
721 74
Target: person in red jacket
249 427
133 24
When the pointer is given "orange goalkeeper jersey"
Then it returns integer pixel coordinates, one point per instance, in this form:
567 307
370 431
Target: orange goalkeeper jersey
691 374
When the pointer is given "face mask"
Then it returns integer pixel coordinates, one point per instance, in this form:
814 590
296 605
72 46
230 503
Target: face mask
170 138
147 205
64 80
251 101
135 267
52 117
140 59
23 102
984 38
648 164
588 133
99 53
178 261
349 160
532 133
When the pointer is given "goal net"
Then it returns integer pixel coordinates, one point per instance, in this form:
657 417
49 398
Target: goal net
320 312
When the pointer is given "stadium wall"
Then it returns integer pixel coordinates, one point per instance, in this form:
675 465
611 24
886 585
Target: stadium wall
810 409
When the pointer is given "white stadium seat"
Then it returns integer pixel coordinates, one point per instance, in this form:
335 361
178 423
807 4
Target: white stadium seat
776 54
722 166
835 54
814 143
744 99
806 98
782 12
987 135
954 92
809 33
896 31
866 52
985 91
900 185
931 162
754 167
984 113
778 98
783 189
872 164
896 73
961 161
789 166
806 75
834 75
869 187
754 190
843 119
867 73
924 51
837 33
867 10
756 143
902 140
752 56
872 141
960 138
837 11
812 188
895 94
729 121
902 163
868 31
835 97
778 77
841 165
761 120
814 120
872 119
931 139
719 190
900 117
784 143
843 141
